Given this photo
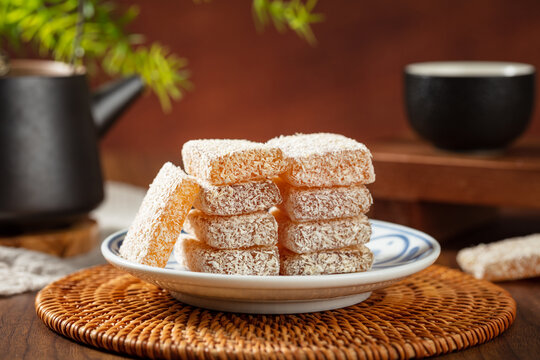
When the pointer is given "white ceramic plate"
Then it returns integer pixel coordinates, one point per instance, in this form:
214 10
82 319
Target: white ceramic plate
399 252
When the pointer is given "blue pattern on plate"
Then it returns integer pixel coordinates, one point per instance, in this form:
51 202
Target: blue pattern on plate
394 246
391 245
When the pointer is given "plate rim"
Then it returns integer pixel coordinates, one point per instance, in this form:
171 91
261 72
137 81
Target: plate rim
289 282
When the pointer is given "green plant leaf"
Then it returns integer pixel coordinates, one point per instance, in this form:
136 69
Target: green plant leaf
50 26
294 14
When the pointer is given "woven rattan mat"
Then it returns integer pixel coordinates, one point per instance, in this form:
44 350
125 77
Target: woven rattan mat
435 311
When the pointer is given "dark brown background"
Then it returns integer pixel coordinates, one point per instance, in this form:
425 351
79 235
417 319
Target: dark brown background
256 86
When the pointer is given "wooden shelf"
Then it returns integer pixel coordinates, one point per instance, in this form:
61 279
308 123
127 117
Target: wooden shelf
412 170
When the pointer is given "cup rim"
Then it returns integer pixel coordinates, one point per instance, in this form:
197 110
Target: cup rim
469 69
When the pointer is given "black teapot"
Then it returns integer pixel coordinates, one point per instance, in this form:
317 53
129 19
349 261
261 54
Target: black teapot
50 124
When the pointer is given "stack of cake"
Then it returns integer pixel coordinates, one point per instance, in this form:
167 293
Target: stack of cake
231 231
322 223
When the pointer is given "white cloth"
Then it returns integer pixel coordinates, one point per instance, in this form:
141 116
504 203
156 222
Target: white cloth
26 270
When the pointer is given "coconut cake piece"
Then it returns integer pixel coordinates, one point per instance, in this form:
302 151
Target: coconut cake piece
324 159
231 232
228 161
323 203
510 259
237 199
197 256
158 223
310 236
346 260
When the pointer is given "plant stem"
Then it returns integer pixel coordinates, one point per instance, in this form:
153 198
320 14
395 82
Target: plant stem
77 50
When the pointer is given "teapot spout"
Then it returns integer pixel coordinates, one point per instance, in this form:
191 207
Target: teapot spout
109 101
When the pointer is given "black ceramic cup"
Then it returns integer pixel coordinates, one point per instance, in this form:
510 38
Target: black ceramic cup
469 105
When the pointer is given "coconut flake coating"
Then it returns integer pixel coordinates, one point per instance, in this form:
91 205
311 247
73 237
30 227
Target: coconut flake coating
237 199
197 256
510 259
306 237
158 223
324 159
347 260
222 161
231 232
309 204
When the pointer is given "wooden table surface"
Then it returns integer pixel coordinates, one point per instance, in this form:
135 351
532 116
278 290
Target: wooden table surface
24 336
